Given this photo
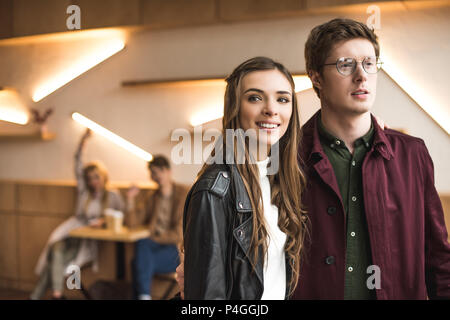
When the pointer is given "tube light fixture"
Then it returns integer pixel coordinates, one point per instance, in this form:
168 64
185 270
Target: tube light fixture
111 136
12 108
79 67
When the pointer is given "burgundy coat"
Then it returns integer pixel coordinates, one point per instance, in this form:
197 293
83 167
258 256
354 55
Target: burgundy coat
404 216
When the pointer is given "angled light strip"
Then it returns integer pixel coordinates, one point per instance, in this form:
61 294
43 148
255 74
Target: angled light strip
111 136
14 116
426 102
78 68
211 114
11 108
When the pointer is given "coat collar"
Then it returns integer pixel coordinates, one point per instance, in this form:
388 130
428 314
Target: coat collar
242 200
311 150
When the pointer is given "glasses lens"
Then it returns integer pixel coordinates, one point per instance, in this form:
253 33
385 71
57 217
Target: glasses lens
346 66
371 65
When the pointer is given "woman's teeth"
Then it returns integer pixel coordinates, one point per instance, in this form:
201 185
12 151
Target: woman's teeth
268 125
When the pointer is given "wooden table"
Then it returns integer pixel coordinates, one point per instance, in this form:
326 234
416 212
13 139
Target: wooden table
125 235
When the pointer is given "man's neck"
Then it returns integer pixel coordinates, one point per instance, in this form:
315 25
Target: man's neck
347 127
166 190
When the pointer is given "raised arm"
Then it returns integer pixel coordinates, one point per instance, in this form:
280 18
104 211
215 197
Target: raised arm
79 162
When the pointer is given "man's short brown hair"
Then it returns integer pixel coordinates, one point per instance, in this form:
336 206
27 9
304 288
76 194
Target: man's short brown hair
159 161
322 39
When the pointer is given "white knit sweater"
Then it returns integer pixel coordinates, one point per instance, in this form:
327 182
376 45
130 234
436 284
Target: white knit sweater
274 264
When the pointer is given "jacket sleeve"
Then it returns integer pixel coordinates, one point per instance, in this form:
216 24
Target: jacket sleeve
117 202
81 186
174 234
138 210
437 247
205 244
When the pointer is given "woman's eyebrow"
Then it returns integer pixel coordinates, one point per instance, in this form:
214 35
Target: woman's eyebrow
254 89
261 91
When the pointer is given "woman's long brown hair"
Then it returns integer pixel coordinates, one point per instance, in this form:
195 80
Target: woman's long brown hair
287 185
96 165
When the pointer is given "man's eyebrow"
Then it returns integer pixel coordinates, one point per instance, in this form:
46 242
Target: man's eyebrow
261 91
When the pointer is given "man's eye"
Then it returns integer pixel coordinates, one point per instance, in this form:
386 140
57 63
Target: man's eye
347 65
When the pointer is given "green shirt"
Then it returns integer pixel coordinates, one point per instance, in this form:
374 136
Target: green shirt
348 170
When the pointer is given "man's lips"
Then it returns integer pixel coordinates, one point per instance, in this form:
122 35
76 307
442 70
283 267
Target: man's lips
360 92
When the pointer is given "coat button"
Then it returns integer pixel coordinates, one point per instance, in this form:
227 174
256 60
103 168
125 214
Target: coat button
240 234
240 205
329 260
225 175
331 210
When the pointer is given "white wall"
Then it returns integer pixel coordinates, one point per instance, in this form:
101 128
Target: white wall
147 115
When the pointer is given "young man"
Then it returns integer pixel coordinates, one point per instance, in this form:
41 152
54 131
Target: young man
377 224
163 213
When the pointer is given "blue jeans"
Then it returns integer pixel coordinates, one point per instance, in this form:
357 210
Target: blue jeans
151 257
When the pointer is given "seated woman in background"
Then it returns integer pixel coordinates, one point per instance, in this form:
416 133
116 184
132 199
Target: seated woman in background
62 251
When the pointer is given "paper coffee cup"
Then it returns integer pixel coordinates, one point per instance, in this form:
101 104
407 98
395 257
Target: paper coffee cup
114 220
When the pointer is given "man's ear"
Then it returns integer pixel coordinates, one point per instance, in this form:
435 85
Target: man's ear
316 79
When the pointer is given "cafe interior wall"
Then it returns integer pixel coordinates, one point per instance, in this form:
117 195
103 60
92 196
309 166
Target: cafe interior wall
146 115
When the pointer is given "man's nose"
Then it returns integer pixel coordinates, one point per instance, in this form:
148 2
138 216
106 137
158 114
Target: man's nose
360 75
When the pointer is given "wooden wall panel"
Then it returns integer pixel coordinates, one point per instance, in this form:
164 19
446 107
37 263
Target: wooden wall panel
107 13
46 200
36 17
33 235
9 263
7 196
6 19
6 283
236 10
177 12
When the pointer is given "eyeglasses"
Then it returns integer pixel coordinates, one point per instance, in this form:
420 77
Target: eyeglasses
346 66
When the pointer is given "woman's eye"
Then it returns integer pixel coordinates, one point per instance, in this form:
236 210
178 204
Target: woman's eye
254 98
283 100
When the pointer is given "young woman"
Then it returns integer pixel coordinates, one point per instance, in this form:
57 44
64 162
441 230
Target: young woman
61 251
244 226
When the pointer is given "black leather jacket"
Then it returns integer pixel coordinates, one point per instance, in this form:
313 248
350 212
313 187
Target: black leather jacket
217 228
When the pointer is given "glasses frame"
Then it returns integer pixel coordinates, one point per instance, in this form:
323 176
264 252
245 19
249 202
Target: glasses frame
378 63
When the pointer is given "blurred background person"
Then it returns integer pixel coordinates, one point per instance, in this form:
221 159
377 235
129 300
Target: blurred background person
163 214
61 250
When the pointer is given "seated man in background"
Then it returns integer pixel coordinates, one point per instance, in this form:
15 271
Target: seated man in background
163 215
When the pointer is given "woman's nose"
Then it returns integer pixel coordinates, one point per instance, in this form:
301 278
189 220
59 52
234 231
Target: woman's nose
270 108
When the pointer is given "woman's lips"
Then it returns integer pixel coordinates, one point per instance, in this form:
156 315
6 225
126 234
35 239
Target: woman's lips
267 125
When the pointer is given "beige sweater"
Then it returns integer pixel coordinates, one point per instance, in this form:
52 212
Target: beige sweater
145 212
